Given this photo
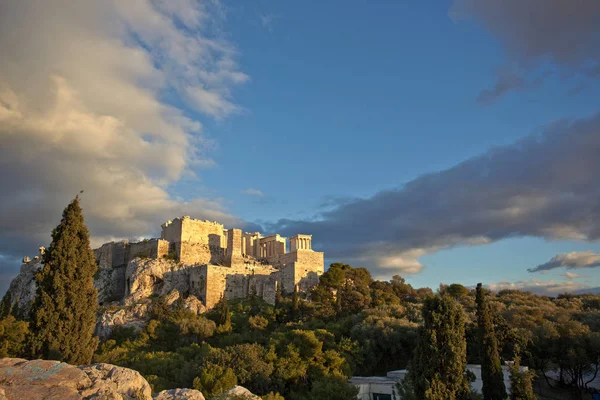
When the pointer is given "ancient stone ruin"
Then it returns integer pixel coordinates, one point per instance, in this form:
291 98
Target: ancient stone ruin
215 262
194 263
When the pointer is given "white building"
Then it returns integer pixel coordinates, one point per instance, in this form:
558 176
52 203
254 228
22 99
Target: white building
384 387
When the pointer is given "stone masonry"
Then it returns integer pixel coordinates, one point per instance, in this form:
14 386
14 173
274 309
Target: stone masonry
213 262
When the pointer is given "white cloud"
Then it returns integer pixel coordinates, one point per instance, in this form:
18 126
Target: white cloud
571 275
546 288
253 192
82 89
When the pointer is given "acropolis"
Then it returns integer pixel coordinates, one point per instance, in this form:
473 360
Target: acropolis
214 262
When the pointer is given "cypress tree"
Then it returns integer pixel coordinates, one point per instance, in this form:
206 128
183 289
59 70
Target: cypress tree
63 315
438 368
521 382
5 307
223 316
491 368
278 296
295 303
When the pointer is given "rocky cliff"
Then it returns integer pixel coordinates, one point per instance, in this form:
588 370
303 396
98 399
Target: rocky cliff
52 380
145 278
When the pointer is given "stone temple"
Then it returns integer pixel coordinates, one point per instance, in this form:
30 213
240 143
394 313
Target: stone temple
205 260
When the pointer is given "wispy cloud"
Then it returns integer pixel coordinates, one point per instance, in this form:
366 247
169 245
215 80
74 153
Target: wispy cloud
571 275
542 186
573 260
267 20
253 192
507 81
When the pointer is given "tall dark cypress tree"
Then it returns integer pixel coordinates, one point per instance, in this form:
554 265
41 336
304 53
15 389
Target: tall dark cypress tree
63 315
437 370
491 368
223 316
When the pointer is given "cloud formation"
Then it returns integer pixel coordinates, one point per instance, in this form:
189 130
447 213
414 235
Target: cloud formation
563 33
573 260
571 275
544 288
82 107
253 192
545 185
507 81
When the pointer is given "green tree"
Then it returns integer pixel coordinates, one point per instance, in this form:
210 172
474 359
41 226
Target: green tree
272 396
491 368
438 368
521 382
5 306
332 388
12 337
223 316
215 380
63 314
295 303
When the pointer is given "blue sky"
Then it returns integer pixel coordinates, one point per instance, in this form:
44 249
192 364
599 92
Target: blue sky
298 113
346 101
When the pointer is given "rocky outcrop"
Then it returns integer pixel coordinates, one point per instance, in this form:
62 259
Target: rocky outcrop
179 394
132 316
239 392
146 277
123 293
191 303
22 289
108 378
52 380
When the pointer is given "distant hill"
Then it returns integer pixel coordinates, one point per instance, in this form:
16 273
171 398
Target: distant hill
595 290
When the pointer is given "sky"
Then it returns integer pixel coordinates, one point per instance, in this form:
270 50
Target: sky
447 141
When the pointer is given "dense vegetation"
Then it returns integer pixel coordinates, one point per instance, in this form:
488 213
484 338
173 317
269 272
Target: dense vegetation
306 346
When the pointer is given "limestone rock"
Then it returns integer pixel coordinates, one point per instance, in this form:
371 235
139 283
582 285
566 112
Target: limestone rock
53 380
22 289
194 305
131 316
146 277
179 394
172 297
106 282
40 379
239 392
106 378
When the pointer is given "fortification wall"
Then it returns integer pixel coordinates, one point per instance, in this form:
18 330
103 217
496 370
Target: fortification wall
193 253
113 254
171 231
103 256
162 248
234 248
143 249
205 232
307 269
237 282
301 268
